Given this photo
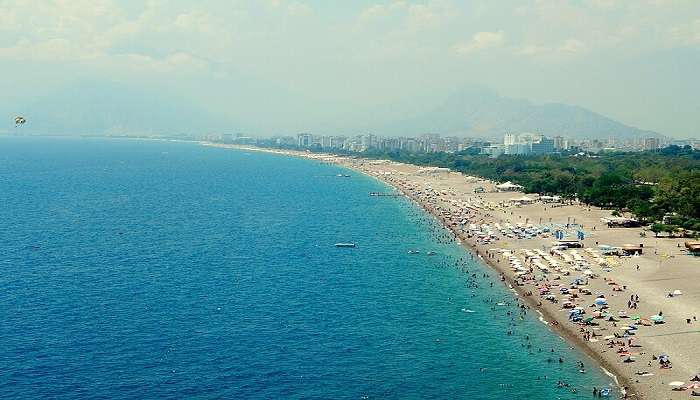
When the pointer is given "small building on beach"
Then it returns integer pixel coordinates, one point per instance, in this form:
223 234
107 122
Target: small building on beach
621 222
522 200
693 246
508 187
632 249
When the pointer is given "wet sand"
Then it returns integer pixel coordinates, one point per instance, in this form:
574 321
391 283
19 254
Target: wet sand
662 268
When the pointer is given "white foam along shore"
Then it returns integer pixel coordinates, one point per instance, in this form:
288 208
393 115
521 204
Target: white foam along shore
513 233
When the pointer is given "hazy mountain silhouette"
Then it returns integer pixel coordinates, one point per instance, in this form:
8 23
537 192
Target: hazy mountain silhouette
479 111
100 107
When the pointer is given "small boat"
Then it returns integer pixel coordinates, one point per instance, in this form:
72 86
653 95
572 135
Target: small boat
343 176
431 253
345 245
413 252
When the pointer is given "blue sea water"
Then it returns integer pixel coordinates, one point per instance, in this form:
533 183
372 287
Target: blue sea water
144 270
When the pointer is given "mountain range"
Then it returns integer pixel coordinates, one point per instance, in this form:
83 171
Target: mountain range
477 111
110 108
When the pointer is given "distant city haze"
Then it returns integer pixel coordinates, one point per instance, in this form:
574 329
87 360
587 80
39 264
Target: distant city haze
279 67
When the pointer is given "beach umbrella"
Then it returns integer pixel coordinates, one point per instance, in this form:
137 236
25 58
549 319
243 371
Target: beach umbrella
695 378
600 301
657 318
677 292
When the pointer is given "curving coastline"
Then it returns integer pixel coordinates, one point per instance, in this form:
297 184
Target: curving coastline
636 377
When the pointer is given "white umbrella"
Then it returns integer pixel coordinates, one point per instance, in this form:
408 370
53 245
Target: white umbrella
677 292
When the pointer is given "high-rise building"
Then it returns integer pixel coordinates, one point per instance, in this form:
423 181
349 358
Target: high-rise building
544 146
304 140
652 143
510 139
559 143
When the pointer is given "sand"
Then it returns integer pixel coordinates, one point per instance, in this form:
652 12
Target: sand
662 268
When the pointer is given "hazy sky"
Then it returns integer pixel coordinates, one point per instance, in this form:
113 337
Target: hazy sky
276 65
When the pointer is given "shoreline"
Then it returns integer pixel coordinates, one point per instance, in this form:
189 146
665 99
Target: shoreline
465 205
624 385
564 331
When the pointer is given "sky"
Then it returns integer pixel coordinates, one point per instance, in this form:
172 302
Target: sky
270 66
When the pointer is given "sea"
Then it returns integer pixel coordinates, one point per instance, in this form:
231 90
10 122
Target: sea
137 269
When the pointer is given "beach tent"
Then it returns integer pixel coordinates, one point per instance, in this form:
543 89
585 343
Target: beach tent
677 292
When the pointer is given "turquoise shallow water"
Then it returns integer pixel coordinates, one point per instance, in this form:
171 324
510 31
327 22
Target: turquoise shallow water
137 269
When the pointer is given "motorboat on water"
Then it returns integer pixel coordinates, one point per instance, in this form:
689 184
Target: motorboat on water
345 245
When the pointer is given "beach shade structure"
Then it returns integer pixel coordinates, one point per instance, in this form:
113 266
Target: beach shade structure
635 317
657 319
695 378
676 383
600 302
677 292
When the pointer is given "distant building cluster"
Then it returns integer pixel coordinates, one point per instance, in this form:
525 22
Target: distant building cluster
523 144
526 144
535 144
429 143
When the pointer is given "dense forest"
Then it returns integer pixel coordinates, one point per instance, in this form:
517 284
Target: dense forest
660 187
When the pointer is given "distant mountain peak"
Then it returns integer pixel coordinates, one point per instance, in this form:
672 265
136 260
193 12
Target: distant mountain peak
480 111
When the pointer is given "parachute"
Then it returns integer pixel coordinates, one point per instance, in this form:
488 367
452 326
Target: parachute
20 120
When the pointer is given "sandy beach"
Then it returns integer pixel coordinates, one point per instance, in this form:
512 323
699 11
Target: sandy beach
615 308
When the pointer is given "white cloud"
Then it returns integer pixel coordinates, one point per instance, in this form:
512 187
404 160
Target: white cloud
481 41
573 46
685 35
298 9
552 53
